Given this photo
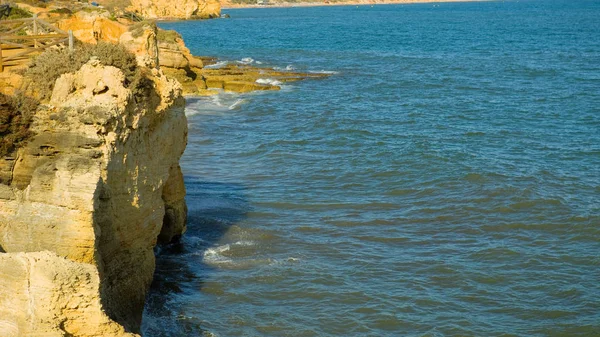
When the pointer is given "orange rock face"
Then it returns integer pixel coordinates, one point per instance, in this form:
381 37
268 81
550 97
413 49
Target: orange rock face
183 9
91 27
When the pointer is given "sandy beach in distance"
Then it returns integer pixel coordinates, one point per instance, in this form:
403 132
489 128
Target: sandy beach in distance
230 5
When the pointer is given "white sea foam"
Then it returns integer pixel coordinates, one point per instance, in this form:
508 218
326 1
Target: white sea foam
246 60
214 255
218 104
244 243
289 67
219 256
236 104
217 65
268 81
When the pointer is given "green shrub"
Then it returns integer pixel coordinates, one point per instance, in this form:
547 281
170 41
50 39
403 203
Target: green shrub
34 3
62 10
19 13
49 66
115 6
16 114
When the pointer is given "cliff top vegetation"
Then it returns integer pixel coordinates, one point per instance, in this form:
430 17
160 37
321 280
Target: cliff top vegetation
16 113
49 66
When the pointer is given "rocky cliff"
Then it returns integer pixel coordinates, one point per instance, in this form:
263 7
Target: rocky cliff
182 9
84 202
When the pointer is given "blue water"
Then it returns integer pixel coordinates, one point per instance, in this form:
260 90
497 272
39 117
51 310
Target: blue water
444 181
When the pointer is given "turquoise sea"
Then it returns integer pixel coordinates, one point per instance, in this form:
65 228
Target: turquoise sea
444 181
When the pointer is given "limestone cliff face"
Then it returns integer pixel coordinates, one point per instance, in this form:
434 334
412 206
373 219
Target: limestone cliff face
51 296
181 9
174 54
84 202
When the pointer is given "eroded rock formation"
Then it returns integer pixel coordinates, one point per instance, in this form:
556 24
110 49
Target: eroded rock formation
93 27
83 204
182 9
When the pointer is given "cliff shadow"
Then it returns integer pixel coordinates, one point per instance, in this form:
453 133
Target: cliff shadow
213 207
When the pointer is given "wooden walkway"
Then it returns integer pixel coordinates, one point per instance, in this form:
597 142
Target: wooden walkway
22 39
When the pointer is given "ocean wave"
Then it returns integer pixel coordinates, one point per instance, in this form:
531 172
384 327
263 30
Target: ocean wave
237 104
216 255
217 65
240 255
214 105
269 81
289 67
246 60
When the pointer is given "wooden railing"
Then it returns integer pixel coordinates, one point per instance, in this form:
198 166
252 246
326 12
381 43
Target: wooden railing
21 38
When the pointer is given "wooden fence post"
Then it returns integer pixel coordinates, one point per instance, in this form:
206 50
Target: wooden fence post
35 30
70 41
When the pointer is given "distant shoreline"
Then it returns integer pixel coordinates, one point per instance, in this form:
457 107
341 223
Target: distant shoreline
343 3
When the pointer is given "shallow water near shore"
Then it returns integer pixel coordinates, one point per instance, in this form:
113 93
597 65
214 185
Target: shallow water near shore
444 181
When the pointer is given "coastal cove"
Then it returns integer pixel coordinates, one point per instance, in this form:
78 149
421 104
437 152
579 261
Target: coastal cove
443 181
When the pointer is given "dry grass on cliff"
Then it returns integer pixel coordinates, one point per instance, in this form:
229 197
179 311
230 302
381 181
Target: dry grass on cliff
137 29
34 3
16 114
169 36
115 5
19 13
49 66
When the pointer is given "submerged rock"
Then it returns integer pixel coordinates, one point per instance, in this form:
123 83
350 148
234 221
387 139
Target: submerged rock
236 78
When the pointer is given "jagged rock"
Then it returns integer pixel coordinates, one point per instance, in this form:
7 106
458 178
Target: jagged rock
183 9
174 53
142 42
93 186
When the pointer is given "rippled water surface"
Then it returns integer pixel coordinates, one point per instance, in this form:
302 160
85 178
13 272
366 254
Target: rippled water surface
444 181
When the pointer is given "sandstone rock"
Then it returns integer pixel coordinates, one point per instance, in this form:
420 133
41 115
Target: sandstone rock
215 83
142 42
174 53
173 194
247 86
172 56
94 186
206 92
183 9
209 9
43 294
93 27
10 82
